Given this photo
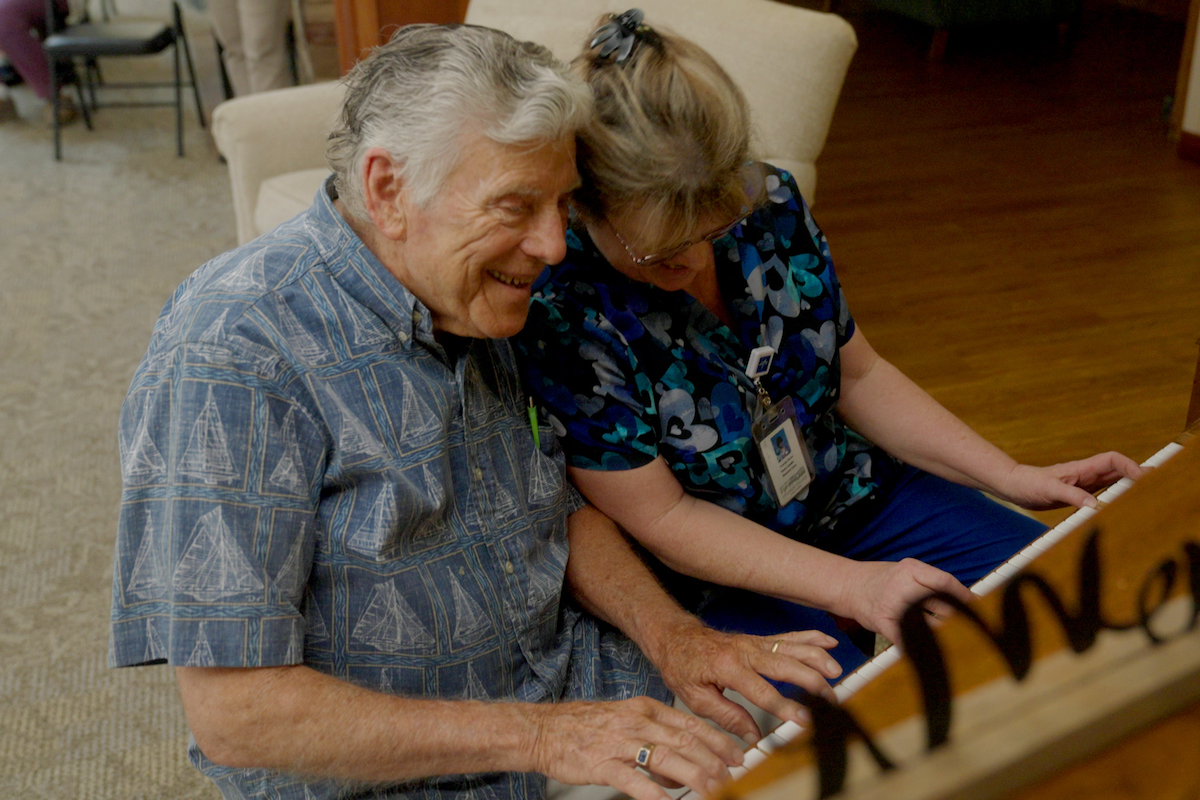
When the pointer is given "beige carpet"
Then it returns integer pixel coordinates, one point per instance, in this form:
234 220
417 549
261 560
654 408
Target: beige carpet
89 250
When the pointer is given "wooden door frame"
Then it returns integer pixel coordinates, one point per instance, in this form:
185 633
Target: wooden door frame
1189 143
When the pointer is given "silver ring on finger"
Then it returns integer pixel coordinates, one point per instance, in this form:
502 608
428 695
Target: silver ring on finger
643 754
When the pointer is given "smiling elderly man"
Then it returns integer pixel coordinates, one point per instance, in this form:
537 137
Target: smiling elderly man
337 523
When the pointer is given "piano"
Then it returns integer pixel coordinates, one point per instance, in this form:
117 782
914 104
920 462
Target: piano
1097 724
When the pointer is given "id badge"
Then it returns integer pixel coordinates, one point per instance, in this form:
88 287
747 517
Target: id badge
785 455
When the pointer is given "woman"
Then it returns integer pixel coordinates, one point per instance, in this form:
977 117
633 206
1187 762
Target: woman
697 303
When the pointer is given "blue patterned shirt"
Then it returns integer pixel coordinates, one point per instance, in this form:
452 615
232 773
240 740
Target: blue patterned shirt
309 477
629 372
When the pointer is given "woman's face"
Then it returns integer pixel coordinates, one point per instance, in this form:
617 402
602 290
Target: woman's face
672 265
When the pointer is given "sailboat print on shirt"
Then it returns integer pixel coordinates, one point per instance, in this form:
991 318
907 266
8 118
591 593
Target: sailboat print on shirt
375 528
213 565
154 646
474 689
316 629
299 340
545 481
286 474
207 455
147 578
142 459
246 278
389 623
202 654
471 623
420 423
354 436
365 331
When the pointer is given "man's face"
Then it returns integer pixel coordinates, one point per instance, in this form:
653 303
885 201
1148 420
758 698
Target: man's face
472 253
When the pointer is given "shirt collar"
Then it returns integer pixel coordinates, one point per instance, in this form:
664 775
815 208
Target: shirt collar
360 272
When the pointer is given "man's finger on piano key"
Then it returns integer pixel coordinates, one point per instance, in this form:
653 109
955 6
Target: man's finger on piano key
765 696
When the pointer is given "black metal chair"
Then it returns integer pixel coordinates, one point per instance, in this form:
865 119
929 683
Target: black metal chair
88 41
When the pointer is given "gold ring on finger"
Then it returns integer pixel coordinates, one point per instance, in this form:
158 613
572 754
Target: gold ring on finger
643 754
775 647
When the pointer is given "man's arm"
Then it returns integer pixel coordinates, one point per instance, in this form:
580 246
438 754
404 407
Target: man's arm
613 583
295 719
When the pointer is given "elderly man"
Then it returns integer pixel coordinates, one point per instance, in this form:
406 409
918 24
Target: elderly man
340 526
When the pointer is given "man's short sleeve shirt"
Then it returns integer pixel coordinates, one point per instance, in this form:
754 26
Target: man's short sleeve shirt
310 478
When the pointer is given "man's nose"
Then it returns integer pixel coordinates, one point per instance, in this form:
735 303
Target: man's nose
547 237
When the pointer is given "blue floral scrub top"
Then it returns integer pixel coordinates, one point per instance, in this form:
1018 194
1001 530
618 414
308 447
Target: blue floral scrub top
628 372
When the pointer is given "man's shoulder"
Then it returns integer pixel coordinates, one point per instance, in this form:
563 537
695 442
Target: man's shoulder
239 301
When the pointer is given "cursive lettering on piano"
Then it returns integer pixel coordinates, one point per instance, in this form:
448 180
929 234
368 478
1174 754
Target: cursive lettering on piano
833 726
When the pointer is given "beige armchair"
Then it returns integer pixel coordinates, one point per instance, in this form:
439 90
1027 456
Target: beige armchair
789 61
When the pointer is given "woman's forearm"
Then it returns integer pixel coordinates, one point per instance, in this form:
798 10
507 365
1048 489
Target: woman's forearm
703 540
884 405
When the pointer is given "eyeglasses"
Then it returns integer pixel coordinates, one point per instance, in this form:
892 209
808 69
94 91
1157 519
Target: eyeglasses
658 258
753 179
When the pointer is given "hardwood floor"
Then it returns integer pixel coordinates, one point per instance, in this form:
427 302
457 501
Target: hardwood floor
1014 230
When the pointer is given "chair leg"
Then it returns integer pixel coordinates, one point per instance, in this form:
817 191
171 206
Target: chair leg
181 37
83 107
53 64
178 101
225 84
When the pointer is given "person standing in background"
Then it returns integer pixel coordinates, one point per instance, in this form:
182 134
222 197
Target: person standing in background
252 34
22 26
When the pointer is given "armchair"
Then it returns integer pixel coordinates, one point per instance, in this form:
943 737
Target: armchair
789 61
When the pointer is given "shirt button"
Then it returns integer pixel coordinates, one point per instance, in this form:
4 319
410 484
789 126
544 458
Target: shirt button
478 474
508 567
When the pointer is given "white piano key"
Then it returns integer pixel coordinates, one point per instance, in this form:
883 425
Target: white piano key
1113 492
753 757
887 657
770 743
853 682
737 772
1084 514
1158 458
788 731
1067 525
1042 543
1023 559
1007 570
988 583
870 671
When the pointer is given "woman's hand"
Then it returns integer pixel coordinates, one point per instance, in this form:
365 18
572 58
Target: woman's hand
699 663
881 591
598 743
1072 483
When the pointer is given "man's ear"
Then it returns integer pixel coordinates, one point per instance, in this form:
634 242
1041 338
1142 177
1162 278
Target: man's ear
383 190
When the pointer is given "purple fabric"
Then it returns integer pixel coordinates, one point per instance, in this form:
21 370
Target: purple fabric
22 23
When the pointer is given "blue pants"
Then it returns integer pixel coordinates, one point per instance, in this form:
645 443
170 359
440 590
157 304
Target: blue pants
927 518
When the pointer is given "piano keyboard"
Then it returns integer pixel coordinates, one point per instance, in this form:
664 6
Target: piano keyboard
873 668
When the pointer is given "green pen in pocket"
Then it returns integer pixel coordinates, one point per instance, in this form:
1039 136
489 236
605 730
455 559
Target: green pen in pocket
533 425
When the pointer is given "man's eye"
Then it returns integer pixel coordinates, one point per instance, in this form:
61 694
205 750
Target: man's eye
514 210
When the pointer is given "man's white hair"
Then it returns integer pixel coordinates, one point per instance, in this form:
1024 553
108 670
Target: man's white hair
417 95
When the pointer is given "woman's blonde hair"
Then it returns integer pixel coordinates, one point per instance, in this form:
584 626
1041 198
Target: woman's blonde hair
670 136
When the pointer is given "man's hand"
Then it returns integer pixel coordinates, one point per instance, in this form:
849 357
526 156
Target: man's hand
881 591
699 663
1071 483
598 743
